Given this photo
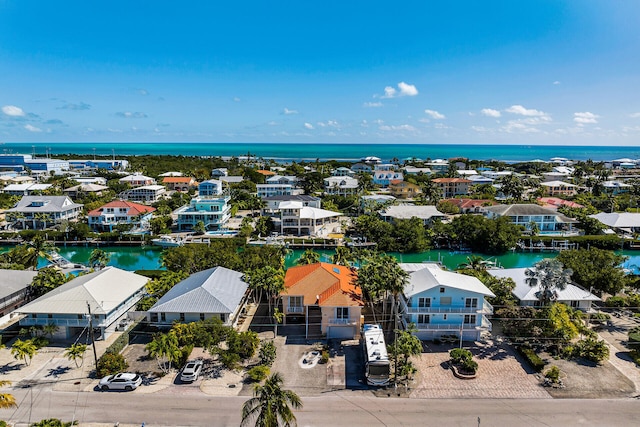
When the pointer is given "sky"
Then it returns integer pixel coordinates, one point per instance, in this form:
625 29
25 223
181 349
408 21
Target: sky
546 72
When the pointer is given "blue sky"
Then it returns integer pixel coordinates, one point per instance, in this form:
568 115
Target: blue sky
490 72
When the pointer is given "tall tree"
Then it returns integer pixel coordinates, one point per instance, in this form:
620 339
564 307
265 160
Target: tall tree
24 350
99 259
267 281
75 352
511 187
308 257
550 276
342 256
46 280
37 248
270 405
596 269
165 348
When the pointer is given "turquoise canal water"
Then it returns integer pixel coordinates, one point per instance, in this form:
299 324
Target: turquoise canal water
148 257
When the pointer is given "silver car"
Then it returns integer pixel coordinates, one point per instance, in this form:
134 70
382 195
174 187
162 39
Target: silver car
191 371
121 381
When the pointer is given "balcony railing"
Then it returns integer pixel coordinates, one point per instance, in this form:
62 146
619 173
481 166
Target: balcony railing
29 321
485 309
336 321
295 309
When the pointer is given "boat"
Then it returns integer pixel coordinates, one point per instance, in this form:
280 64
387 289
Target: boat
167 241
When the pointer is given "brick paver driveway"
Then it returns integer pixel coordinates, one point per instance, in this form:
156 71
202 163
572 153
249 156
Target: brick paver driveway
500 375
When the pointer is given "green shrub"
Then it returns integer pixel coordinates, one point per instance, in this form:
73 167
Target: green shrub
460 355
267 353
40 342
633 341
553 374
469 365
534 360
111 363
229 359
324 358
635 356
258 373
185 352
616 302
593 350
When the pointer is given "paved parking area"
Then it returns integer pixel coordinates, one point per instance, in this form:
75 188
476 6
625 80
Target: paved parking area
500 375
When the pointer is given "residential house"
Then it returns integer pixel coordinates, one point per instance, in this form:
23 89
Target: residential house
341 186
404 189
559 188
107 164
362 168
38 212
14 289
179 183
426 213
547 220
107 294
573 295
213 212
471 206
269 190
210 188
496 174
219 172
90 180
625 223
342 171
170 173
83 189
272 204
325 299
412 170
117 212
555 203
282 179
145 193
614 187
384 177
214 293
137 180
265 173
451 187
438 166
373 202
300 220
440 302
27 189
479 179
228 180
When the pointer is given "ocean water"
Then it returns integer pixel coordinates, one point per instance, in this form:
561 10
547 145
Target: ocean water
326 151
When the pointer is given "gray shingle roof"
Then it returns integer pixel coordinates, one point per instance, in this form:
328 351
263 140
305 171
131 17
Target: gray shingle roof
216 290
12 281
53 204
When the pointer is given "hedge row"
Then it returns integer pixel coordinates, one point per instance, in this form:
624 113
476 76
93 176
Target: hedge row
534 360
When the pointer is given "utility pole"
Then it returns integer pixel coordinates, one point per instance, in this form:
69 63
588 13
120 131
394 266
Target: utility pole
93 341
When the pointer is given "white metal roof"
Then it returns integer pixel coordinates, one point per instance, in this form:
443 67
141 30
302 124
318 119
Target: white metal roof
618 220
104 290
425 276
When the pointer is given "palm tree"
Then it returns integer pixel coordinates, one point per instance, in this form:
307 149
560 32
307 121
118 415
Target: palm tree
50 329
550 276
99 259
164 347
511 187
474 262
271 405
267 280
24 350
308 257
7 400
430 191
43 218
75 352
343 256
37 248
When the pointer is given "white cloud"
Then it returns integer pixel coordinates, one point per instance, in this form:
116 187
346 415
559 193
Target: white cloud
143 92
372 104
308 126
634 115
287 112
585 118
329 123
490 112
556 82
400 127
404 89
480 129
520 110
31 128
131 115
435 114
236 99
13 111
407 89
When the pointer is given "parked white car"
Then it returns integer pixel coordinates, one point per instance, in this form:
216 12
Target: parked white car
122 381
191 371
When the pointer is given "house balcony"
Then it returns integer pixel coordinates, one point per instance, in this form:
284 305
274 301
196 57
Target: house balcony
29 321
485 309
335 321
295 309
485 325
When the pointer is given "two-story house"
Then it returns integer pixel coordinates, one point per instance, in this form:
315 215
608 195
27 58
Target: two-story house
384 177
325 299
441 303
137 180
145 193
451 187
547 220
300 220
559 188
404 189
340 185
119 212
179 183
41 211
210 188
269 190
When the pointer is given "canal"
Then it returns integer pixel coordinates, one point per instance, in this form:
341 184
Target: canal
149 257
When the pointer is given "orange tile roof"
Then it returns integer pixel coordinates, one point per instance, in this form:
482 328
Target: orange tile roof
265 172
134 208
323 284
451 180
470 203
178 179
556 202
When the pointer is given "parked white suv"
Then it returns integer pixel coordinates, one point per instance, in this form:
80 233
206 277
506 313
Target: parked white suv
191 371
121 381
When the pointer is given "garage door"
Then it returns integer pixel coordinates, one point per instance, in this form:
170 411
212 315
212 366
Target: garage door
341 332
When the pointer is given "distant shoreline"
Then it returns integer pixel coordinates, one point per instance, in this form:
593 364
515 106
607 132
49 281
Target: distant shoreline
284 152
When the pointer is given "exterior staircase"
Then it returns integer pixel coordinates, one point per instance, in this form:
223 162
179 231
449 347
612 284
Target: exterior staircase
314 319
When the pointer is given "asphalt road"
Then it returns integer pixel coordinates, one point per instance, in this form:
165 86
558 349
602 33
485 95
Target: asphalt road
344 408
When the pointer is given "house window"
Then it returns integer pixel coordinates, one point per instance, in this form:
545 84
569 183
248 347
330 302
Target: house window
342 312
442 290
201 316
424 318
154 317
471 302
445 300
424 302
49 316
295 301
469 319
444 317
80 316
182 317
575 304
163 317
